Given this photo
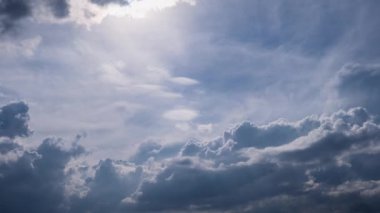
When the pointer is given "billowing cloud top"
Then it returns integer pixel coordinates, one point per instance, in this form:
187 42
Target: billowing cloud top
316 164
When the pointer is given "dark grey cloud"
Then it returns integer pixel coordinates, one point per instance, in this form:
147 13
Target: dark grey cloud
14 120
59 8
107 188
274 134
36 180
318 164
106 2
8 146
359 85
12 11
312 172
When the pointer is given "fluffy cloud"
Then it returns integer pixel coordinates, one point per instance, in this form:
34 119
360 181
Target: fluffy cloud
36 180
313 168
251 60
317 164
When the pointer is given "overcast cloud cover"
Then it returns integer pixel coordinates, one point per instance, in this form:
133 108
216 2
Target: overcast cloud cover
110 106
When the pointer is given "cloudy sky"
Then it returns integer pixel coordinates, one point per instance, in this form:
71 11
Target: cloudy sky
110 106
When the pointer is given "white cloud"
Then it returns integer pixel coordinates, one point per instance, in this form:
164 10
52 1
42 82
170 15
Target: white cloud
184 81
205 128
180 114
111 73
25 47
141 8
183 126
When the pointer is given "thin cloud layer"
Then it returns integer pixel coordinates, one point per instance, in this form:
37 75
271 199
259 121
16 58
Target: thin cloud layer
105 2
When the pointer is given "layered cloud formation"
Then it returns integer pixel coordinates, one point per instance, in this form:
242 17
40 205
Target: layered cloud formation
325 163
152 100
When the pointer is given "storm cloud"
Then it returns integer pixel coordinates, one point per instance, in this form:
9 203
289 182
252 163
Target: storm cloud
14 120
13 11
311 171
320 163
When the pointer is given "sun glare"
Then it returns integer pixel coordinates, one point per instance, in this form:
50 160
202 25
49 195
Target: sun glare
140 9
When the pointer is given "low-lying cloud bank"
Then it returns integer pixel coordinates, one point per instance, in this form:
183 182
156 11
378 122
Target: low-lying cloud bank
326 163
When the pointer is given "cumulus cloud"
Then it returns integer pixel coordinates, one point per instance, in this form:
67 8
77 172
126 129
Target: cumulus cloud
320 163
36 180
310 169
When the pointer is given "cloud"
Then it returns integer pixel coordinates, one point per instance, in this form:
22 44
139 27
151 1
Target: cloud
83 12
25 47
36 180
273 134
105 2
14 120
111 182
59 8
13 11
180 114
317 164
359 85
184 81
313 170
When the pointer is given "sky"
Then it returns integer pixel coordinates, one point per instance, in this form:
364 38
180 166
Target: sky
189 106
